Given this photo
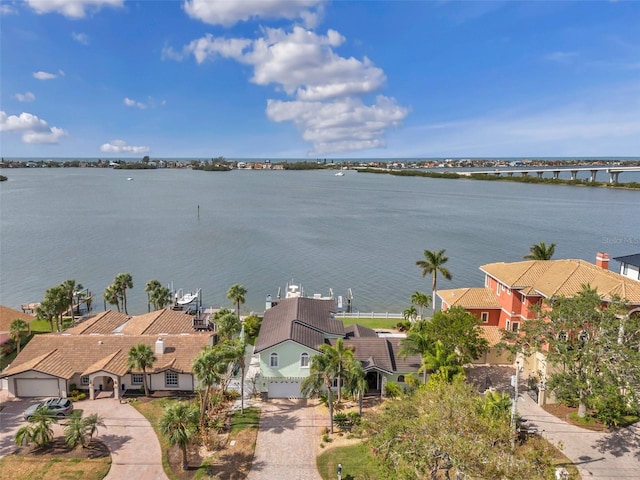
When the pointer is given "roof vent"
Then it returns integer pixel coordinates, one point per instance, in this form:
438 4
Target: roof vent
99 342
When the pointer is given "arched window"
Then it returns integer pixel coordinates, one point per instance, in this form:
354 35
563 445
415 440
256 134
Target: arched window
400 378
273 360
304 360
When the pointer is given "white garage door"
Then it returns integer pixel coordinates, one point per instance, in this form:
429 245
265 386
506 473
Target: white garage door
37 387
284 389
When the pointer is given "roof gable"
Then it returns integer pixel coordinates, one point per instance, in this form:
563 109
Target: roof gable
8 315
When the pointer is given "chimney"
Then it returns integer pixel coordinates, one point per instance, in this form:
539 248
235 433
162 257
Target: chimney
602 260
159 346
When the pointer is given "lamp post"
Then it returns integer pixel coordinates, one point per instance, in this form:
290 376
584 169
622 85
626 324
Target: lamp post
514 407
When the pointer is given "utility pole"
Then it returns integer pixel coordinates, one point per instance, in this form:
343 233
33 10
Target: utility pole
514 408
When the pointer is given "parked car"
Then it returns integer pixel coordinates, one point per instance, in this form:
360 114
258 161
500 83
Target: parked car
57 407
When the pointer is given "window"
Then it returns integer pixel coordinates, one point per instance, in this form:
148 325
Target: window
625 269
508 291
273 360
400 378
84 380
498 289
485 317
171 379
508 327
304 360
524 299
515 326
486 281
136 379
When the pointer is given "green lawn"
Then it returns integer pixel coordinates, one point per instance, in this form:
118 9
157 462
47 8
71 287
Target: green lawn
356 460
373 322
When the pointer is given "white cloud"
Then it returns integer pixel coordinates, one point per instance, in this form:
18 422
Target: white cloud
44 75
71 8
81 38
6 9
25 97
228 13
32 128
342 125
327 89
133 103
120 146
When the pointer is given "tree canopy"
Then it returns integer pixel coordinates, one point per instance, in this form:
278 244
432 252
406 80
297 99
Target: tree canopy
540 251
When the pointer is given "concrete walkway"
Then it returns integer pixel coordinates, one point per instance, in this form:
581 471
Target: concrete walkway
287 441
598 455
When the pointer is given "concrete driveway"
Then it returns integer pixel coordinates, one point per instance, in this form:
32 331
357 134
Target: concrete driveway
598 455
135 450
287 441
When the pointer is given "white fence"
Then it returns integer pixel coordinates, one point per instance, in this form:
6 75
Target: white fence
391 316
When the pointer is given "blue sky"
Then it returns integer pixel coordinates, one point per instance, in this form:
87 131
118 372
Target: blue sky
309 78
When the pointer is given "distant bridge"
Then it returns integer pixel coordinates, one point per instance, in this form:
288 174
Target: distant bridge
613 172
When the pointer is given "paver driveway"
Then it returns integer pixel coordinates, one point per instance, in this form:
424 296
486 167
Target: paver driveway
287 441
135 450
598 455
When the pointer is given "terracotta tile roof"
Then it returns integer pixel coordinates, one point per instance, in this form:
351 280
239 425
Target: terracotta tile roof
64 355
304 320
491 333
8 315
103 322
469 297
160 321
563 277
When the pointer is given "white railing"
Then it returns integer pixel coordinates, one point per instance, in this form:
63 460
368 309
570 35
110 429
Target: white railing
394 316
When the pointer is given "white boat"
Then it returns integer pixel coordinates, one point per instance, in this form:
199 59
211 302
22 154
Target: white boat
340 174
129 178
187 298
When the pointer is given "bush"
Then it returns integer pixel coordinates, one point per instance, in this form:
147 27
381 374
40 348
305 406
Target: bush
342 420
393 390
403 326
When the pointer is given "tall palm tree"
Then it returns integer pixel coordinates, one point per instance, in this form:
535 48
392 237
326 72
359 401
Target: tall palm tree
46 310
122 282
234 350
356 381
540 252
236 294
15 332
415 343
159 296
206 369
339 356
420 300
141 357
321 373
71 287
178 424
111 296
431 264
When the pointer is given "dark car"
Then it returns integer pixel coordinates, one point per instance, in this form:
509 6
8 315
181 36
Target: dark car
56 407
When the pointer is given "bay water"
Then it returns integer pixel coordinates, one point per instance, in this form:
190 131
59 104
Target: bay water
262 229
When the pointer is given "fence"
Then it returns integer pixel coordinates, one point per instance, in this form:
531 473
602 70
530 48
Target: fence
394 316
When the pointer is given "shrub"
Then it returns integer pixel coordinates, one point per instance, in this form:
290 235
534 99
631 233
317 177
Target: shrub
342 420
403 326
393 390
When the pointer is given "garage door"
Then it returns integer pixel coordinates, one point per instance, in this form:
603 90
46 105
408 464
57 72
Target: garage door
37 387
284 389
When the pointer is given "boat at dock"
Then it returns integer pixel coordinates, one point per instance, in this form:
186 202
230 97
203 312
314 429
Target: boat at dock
295 290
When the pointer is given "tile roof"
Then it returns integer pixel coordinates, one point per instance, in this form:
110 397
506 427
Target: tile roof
382 354
563 277
481 297
64 355
8 315
160 321
630 259
103 322
357 331
297 319
491 333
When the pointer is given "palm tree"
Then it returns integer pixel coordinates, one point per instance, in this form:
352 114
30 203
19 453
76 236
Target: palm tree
141 357
178 424
540 252
91 424
70 288
356 382
206 369
15 332
39 430
228 324
442 361
321 373
111 296
46 310
74 432
410 313
339 356
420 300
122 282
415 343
234 350
431 264
236 294
159 296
